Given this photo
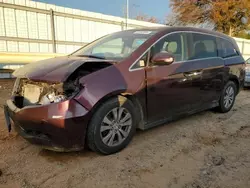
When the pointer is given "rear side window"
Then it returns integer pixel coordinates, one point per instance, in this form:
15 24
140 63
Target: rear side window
203 46
228 49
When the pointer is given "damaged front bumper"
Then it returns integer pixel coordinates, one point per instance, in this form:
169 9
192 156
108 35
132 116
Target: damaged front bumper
57 126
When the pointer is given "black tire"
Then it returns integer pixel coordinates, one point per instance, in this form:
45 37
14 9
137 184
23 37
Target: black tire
222 106
94 139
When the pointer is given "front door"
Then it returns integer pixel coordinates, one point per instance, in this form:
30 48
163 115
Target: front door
172 89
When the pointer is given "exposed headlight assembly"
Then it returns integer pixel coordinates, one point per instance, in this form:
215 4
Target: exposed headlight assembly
59 93
52 98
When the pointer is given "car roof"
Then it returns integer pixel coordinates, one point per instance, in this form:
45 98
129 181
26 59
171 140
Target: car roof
179 29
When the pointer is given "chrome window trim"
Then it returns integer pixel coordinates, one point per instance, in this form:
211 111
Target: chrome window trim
205 59
135 69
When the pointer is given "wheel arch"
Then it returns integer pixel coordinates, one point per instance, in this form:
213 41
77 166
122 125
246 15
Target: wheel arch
234 79
129 96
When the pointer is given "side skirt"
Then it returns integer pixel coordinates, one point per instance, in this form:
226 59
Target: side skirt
178 116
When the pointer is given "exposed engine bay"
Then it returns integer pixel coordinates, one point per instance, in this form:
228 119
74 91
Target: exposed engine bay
30 92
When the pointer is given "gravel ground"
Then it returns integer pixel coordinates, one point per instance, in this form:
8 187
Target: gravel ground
204 150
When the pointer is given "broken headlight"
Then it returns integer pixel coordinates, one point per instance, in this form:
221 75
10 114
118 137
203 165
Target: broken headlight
52 98
59 92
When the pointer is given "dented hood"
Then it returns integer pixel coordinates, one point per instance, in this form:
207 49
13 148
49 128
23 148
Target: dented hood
54 70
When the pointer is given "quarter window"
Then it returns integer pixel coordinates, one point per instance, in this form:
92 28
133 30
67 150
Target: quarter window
141 63
248 61
228 49
203 46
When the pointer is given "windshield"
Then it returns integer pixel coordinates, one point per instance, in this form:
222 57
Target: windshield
115 46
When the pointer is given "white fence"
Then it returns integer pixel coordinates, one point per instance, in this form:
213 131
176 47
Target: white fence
244 46
28 26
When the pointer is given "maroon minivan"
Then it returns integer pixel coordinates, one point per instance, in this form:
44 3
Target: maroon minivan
136 79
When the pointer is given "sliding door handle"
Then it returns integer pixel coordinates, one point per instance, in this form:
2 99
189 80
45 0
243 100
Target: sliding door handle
192 74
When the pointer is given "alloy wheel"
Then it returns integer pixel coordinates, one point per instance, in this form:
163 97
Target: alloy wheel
116 126
229 97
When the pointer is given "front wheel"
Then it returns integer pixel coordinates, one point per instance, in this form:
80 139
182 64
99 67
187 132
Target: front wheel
228 97
112 126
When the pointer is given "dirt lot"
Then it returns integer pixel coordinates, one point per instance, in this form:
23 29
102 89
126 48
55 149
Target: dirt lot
204 150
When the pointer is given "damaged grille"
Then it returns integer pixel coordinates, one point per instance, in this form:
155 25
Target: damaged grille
40 93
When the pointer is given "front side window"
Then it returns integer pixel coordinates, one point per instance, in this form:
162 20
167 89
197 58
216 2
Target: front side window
203 46
115 46
175 44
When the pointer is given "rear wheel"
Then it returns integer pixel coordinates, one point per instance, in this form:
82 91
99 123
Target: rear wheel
112 126
228 97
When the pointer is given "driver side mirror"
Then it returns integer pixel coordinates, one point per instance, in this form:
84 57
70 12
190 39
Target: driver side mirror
162 58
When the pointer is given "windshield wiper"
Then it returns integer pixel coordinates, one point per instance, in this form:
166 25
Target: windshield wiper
91 56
